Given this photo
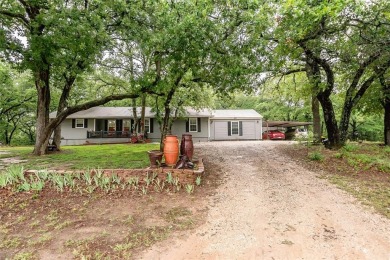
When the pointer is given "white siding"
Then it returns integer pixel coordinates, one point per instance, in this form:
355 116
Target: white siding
221 130
251 130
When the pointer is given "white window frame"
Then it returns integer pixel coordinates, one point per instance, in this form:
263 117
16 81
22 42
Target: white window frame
76 123
123 124
147 125
238 128
108 125
192 124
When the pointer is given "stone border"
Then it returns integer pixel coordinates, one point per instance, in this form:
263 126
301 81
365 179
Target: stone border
186 176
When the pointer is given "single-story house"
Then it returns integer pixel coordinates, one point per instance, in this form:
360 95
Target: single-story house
115 124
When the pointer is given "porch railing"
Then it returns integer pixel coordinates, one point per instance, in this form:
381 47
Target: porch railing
108 134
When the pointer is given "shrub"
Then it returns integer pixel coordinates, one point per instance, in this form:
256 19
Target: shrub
350 147
316 156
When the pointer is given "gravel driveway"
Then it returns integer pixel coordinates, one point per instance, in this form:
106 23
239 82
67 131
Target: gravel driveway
271 208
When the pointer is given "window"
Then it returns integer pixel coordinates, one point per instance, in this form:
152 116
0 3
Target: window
111 125
147 125
79 123
193 124
126 125
235 128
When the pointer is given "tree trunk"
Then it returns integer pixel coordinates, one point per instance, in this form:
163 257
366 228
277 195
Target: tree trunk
63 103
315 109
165 124
11 134
135 117
387 122
7 142
167 113
386 105
143 105
330 121
43 105
313 73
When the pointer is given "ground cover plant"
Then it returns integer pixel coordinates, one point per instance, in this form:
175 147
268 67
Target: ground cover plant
362 169
92 213
110 156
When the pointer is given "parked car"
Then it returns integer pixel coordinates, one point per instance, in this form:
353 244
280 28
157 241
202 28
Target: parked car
293 133
273 135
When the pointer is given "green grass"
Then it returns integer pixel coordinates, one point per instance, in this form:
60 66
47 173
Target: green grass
111 156
366 156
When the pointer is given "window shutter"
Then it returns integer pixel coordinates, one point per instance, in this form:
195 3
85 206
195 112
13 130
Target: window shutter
240 127
105 125
139 126
118 125
151 125
229 128
199 126
188 125
73 123
85 123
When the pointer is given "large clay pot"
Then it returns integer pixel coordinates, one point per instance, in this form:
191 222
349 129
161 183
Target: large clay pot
171 150
155 158
186 146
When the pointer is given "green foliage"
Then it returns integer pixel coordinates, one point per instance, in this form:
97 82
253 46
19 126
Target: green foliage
198 180
17 108
189 188
315 156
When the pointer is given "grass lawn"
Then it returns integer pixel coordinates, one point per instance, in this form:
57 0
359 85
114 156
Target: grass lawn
110 156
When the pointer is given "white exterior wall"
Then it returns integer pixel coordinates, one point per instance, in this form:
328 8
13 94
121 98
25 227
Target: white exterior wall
251 129
179 128
67 132
78 136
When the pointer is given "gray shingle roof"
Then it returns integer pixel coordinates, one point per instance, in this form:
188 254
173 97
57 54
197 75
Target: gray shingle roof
125 112
236 114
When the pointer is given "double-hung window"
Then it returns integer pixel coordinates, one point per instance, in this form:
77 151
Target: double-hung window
235 128
111 125
126 125
79 123
193 124
147 125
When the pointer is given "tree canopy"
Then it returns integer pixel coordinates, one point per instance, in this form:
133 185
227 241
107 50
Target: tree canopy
293 55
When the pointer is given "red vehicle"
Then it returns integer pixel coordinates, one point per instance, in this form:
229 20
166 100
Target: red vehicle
273 135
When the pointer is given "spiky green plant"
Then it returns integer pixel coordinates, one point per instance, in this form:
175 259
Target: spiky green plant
198 180
169 178
190 188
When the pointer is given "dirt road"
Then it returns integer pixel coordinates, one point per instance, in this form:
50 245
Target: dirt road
271 208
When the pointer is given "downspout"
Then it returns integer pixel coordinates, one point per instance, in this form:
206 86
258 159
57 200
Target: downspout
208 128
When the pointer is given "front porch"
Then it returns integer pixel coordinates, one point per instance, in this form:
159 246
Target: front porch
108 134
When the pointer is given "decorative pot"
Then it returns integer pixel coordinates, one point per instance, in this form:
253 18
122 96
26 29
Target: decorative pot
186 146
171 150
155 158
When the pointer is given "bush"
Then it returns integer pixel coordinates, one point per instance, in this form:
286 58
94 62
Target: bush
316 156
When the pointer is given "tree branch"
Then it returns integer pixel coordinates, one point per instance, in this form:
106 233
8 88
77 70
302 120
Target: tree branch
18 16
